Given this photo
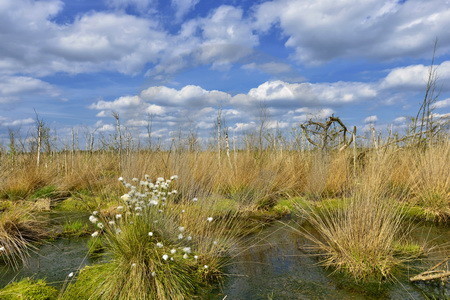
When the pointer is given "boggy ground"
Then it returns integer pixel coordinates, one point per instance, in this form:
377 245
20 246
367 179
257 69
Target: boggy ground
246 191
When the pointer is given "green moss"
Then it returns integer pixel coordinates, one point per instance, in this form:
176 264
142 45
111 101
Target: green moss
408 249
418 213
44 192
224 206
75 228
288 206
330 205
72 204
28 289
242 194
86 282
5 204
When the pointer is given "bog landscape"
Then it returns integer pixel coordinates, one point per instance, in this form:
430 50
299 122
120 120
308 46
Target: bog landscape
122 178
368 218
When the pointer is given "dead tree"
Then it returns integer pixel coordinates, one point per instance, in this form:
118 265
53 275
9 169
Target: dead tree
118 137
40 128
331 134
424 125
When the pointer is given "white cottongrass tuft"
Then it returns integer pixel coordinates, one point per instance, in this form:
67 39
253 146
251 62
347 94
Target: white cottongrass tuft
125 197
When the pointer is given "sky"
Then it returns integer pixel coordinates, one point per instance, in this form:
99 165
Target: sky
177 62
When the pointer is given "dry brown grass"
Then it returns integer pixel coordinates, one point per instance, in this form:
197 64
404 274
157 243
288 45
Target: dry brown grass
360 238
256 179
18 229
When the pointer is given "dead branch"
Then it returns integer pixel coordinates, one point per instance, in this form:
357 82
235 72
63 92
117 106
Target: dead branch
433 274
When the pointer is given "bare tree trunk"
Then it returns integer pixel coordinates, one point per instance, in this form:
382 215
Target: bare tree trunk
118 137
40 127
219 136
227 145
72 150
354 151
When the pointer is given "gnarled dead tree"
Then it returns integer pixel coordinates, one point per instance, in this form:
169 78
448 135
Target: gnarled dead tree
331 134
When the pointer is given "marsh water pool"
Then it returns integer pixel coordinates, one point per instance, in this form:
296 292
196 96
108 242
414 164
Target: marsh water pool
274 266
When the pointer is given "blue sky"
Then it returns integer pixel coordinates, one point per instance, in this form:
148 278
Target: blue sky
178 61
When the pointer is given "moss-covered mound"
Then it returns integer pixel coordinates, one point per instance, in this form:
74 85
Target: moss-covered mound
28 289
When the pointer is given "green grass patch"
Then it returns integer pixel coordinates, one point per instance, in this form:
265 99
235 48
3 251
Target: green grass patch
288 206
85 203
75 228
224 206
408 249
29 289
419 213
44 192
83 287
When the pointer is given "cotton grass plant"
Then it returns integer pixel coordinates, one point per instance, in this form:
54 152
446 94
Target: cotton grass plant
158 248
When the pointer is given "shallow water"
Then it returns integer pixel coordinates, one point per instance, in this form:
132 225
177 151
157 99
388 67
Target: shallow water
53 261
274 267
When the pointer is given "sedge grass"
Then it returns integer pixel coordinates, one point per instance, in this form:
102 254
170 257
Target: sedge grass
361 237
19 227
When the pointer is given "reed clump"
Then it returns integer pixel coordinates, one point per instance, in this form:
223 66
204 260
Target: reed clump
362 237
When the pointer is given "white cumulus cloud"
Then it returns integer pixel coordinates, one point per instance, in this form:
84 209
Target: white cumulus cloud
371 119
320 31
